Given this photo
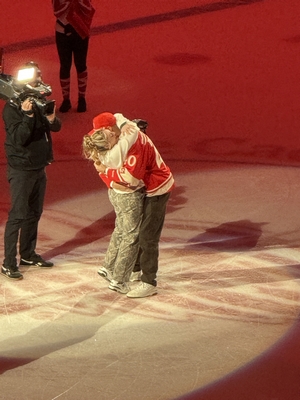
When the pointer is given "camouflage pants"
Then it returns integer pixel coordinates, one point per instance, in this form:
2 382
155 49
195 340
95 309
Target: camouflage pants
123 247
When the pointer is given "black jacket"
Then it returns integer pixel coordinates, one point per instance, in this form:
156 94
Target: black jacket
28 143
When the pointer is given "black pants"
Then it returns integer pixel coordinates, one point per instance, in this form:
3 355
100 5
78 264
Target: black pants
154 212
27 190
67 46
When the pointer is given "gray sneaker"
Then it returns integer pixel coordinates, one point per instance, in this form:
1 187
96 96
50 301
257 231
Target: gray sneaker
119 287
143 290
105 273
11 273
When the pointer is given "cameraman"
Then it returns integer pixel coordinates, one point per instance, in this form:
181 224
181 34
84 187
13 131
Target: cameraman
28 148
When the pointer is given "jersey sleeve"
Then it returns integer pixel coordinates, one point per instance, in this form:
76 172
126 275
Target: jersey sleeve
116 157
130 174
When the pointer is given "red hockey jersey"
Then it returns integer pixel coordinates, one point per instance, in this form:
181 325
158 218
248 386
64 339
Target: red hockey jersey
143 162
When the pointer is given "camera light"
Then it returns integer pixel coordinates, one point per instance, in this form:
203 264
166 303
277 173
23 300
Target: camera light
26 74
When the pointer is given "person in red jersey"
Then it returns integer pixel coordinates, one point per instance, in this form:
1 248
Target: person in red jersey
144 162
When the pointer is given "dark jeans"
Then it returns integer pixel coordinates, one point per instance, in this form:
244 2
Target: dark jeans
67 46
151 227
27 190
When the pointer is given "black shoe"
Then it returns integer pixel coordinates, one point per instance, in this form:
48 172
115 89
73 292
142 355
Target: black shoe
65 106
11 273
36 260
81 104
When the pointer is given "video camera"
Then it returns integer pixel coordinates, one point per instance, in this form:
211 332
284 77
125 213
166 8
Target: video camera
27 84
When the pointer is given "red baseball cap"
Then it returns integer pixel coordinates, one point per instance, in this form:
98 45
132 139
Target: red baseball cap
103 120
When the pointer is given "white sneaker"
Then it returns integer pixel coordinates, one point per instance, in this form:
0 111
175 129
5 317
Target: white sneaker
143 290
105 273
119 287
135 276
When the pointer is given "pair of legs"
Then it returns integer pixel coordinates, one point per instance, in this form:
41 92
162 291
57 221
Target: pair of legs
68 46
154 212
123 246
27 190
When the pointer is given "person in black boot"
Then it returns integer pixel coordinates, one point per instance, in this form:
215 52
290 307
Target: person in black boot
28 148
72 40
